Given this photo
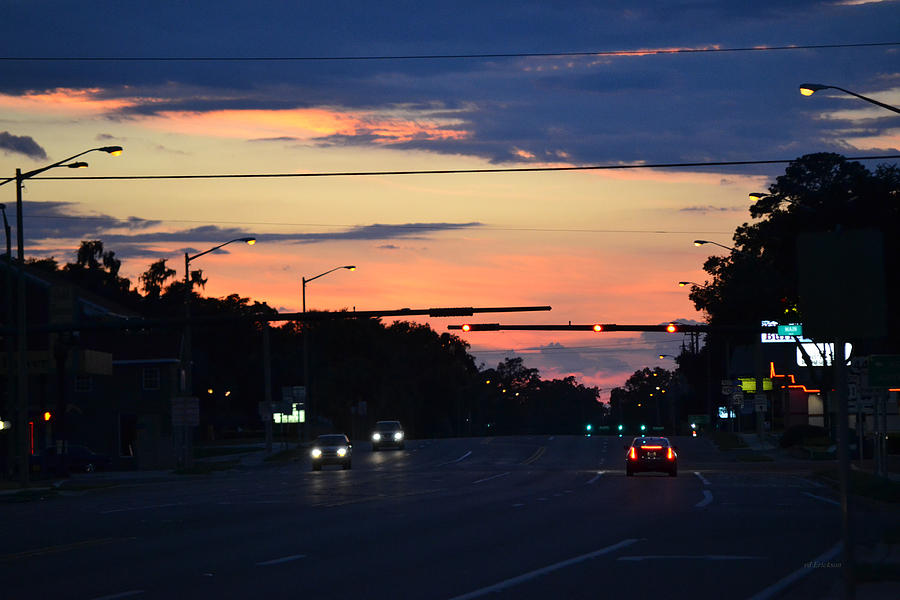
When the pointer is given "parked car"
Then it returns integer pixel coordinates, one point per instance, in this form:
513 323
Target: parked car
388 434
77 458
651 454
331 449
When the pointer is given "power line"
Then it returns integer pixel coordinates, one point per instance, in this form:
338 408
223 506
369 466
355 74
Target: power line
723 163
126 221
473 56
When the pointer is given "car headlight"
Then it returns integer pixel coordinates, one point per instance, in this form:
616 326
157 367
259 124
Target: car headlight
398 436
316 453
376 437
342 452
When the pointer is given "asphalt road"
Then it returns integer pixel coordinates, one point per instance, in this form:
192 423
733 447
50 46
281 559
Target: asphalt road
500 518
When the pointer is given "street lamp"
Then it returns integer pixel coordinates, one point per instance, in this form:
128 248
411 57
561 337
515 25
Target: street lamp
661 356
187 306
305 280
684 283
701 242
308 406
21 342
808 89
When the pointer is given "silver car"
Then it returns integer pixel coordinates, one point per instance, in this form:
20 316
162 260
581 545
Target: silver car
388 434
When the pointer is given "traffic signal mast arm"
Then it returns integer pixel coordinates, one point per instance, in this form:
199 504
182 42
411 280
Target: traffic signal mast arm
598 327
673 327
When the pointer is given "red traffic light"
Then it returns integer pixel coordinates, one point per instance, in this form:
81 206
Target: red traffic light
47 416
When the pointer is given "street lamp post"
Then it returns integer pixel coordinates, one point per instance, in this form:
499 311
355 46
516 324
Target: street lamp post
808 89
21 341
187 367
701 242
308 406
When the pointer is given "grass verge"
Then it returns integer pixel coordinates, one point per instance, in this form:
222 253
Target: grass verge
865 484
727 440
207 467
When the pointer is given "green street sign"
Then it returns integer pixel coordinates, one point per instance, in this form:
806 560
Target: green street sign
790 330
656 428
699 419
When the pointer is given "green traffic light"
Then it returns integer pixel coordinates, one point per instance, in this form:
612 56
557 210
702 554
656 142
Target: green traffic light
588 427
643 427
621 427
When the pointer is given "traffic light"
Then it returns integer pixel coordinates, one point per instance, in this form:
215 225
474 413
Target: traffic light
643 427
588 427
47 416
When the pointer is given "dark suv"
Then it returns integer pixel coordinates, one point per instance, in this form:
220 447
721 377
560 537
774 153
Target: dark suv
651 454
388 434
331 449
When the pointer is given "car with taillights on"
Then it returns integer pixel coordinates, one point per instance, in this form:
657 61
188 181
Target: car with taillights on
651 454
388 434
331 449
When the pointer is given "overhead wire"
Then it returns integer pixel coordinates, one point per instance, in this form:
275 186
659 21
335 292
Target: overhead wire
483 55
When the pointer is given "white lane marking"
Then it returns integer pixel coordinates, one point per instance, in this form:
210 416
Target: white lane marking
278 561
543 571
463 457
130 508
595 477
120 595
491 477
702 478
690 557
823 499
707 498
776 589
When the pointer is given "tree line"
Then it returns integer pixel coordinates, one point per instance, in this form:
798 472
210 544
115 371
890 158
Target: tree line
359 370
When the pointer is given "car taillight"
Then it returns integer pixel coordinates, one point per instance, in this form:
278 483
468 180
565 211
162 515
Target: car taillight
670 455
632 454
652 447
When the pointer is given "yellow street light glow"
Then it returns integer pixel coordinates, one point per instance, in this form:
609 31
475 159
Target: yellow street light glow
807 91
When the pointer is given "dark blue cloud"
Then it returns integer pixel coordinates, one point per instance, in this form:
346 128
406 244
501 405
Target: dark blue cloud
660 108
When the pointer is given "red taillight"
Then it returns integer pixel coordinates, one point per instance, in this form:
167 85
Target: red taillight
631 454
670 455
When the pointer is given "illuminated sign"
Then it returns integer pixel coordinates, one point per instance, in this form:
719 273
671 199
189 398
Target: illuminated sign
820 355
786 333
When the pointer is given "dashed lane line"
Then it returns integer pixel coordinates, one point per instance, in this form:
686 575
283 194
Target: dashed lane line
278 561
127 594
595 478
491 477
702 478
514 581
775 590
707 498
823 499
461 458
534 457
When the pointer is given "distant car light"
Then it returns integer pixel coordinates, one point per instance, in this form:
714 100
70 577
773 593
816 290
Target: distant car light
376 437
342 452
398 436
316 453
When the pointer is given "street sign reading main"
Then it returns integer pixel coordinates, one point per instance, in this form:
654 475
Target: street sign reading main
792 330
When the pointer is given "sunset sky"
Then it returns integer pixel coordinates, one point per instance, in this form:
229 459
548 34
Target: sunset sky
231 88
